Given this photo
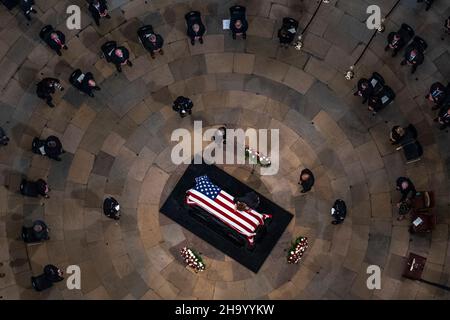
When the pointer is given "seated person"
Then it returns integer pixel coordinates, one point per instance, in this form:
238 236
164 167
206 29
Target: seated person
183 106
306 180
249 200
34 188
37 233
84 82
238 22
44 281
53 273
151 41
287 32
397 40
111 208
443 117
402 136
53 148
55 39
195 27
118 56
381 99
98 10
438 93
339 211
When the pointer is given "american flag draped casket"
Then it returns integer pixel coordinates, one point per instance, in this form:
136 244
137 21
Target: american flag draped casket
220 204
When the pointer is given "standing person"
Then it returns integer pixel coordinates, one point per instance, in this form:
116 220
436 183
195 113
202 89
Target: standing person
221 135
408 192
183 106
413 57
4 140
27 8
98 9
395 42
84 82
47 87
55 39
339 211
111 208
195 27
365 90
437 94
118 56
443 117
306 180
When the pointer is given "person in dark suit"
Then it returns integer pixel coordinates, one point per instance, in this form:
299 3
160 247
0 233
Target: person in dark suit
306 180
286 34
443 117
4 140
408 192
239 28
98 10
44 281
84 82
183 106
50 147
34 188
27 8
338 211
395 42
153 43
56 40
238 22
118 56
47 87
365 90
195 27
251 200
413 57
400 135
111 208
37 233
438 94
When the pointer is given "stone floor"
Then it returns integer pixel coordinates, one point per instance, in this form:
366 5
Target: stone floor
119 144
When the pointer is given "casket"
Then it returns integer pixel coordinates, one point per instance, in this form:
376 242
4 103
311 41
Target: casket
216 209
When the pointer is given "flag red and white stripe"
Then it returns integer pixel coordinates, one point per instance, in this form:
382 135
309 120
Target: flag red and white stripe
223 208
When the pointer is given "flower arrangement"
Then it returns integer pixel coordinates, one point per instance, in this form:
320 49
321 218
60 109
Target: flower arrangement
298 248
193 259
256 157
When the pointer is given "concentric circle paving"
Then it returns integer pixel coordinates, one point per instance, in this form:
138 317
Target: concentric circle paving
119 144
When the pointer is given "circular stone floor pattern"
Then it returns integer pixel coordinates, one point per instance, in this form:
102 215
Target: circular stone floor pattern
119 144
